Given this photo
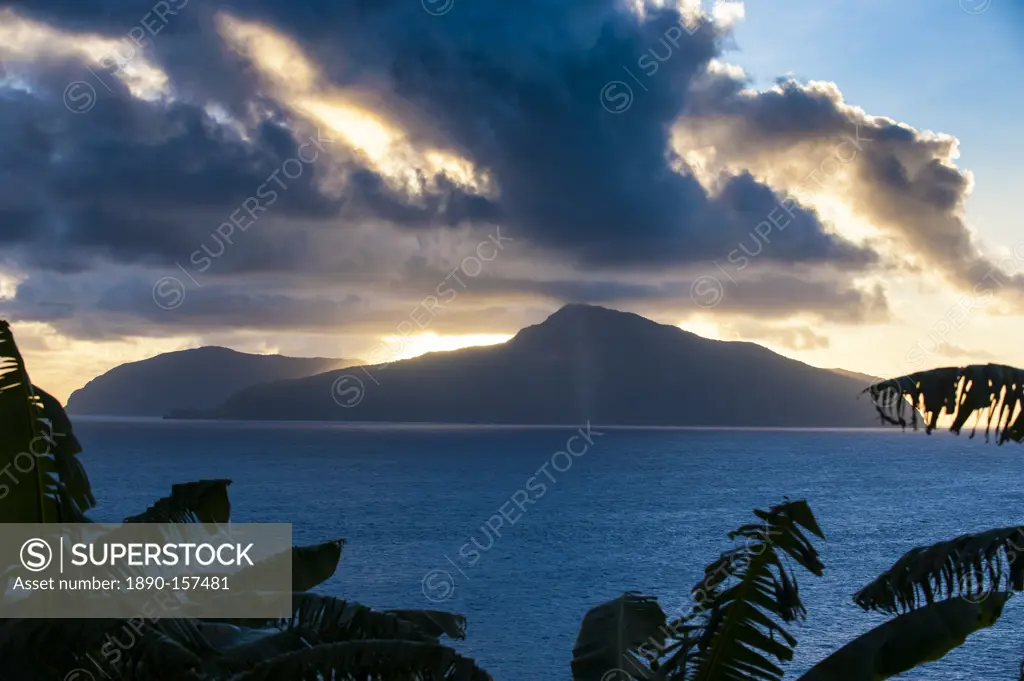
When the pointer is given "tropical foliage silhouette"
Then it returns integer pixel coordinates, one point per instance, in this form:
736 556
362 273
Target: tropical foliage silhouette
737 630
325 637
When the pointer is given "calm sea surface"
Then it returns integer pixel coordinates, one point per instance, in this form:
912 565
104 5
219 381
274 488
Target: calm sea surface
642 510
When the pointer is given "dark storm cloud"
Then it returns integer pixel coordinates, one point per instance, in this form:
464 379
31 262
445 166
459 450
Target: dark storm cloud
512 87
593 198
106 305
516 89
779 295
93 308
769 294
134 182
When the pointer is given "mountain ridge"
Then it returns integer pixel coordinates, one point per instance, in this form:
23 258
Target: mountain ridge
195 378
582 363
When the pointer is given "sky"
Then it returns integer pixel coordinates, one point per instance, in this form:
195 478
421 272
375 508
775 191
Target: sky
837 181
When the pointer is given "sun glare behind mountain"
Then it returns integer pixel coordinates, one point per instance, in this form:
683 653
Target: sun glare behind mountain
414 346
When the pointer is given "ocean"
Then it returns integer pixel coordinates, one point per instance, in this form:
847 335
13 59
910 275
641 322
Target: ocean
455 518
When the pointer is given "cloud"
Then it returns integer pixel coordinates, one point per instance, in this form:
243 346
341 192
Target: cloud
901 183
956 352
796 337
570 178
434 132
